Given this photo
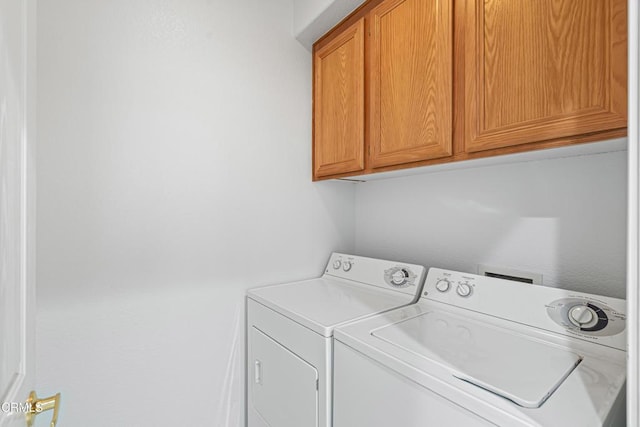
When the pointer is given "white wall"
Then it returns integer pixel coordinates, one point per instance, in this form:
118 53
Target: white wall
306 11
313 18
173 174
564 218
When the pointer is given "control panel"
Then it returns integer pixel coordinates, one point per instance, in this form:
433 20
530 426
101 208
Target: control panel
589 317
406 278
462 287
460 284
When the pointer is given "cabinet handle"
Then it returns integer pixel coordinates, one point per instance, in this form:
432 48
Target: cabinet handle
257 372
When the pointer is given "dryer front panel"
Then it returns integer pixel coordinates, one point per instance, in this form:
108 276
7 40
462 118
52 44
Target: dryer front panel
283 387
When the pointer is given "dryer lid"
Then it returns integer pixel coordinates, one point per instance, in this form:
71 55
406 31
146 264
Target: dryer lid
324 303
496 359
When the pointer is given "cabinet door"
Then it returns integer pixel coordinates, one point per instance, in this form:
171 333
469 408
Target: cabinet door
338 140
537 70
410 81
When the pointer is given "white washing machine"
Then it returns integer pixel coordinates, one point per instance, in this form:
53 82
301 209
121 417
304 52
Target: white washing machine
479 351
290 329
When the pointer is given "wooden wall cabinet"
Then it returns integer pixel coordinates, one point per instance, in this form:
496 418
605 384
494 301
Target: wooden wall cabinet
410 81
338 124
405 83
537 70
404 113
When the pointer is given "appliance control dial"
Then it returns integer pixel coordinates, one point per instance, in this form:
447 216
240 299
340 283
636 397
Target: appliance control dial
399 277
583 316
586 316
463 289
346 266
336 264
443 285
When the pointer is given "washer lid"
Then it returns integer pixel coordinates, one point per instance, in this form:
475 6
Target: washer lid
508 364
324 303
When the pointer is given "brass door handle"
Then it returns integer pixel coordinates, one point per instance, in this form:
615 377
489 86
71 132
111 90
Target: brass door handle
41 405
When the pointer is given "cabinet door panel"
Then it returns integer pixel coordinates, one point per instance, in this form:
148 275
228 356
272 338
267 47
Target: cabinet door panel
339 104
411 81
537 70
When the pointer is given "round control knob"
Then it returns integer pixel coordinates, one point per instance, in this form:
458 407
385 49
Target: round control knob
399 277
346 266
443 285
336 264
581 315
463 289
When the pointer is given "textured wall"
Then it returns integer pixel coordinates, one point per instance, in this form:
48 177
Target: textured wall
313 18
173 173
564 218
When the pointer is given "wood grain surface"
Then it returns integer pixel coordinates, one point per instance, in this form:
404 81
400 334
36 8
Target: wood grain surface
338 139
542 69
410 85
522 75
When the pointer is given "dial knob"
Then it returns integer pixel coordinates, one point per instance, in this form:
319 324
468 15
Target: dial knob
463 289
346 266
336 264
443 285
581 315
399 277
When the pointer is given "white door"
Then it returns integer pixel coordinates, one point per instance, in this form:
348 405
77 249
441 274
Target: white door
17 219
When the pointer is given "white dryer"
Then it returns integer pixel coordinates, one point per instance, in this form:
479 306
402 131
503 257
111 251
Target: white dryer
290 334
479 351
